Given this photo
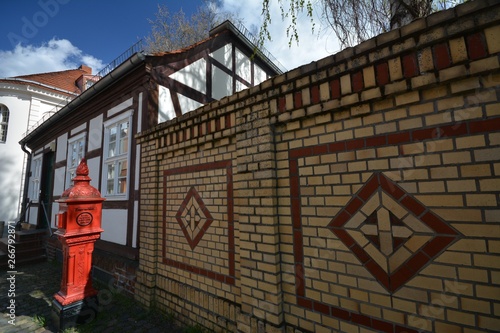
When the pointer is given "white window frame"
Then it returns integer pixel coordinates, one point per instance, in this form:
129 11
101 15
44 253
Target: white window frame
74 142
4 122
116 159
36 173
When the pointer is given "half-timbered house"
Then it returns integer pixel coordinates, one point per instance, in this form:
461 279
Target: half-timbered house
100 124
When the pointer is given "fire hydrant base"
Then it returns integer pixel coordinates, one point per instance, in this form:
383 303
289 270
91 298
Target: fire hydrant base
77 313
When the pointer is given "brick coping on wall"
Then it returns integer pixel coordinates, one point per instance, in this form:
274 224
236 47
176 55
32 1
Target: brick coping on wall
396 57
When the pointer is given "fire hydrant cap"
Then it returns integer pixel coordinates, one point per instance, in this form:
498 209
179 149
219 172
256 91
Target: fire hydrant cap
81 187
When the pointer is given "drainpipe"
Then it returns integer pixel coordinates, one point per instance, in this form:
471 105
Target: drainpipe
24 204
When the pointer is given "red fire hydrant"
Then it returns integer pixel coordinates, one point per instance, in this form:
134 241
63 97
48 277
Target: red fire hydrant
79 226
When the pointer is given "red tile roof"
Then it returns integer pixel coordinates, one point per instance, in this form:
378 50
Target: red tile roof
65 80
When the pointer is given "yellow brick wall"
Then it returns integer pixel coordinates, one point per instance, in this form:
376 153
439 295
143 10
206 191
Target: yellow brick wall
358 193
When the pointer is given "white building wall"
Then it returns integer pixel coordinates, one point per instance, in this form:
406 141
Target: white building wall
114 223
166 109
94 165
224 85
12 156
243 66
32 215
59 181
78 129
259 75
55 211
188 104
193 75
224 55
26 106
62 147
95 133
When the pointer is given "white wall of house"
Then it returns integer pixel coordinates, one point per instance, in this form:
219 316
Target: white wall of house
224 85
27 105
95 133
193 75
224 55
92 132
11 155
114 224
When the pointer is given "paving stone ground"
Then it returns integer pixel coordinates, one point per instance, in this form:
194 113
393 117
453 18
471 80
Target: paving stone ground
35 285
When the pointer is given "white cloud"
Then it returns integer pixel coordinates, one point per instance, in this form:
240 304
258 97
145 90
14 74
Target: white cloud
312 46
55 55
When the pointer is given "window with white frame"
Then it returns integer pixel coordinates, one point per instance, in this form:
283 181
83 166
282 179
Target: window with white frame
117 132
76 151
36 172
4 123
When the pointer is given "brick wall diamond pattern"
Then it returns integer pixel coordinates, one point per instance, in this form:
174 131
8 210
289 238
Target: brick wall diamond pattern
193 217
390 232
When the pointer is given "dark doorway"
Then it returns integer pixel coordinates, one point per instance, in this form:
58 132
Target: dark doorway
45 200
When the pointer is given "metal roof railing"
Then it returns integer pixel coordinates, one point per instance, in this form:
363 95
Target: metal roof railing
260 48
137 47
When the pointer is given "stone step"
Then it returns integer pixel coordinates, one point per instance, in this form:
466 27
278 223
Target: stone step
20 246
25 235
22 259
23 250
29 246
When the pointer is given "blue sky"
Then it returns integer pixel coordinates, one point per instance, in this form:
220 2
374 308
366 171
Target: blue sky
47 35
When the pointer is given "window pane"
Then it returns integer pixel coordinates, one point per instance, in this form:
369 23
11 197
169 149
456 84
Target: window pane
4 121
73 155
122 176
110 185
122 166
112 134
4 114
112 148
122 185
112 142
123 130
81 150
124 146
111 171
123 138
3 133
